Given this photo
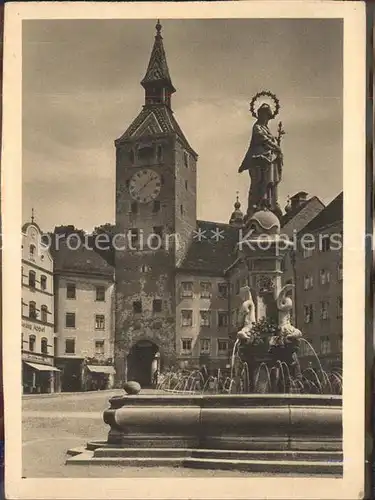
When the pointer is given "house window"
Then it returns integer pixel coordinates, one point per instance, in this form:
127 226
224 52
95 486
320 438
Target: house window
162 179
44 313
99 347
134 207
182 209
145 268
308 313
339 307
186 317
222 290
186 345
307 251
43 282
187 289
326 243
100 293
133 236
205 345
70 291
222 318
205 318
32 279
44 346
32 340
156 207
70 346
99 322
32 310
325 345
324 277
159 153
70 320
137 307
324 309
205 289
186 159
339 272
32 252
156 306
307 282
222 346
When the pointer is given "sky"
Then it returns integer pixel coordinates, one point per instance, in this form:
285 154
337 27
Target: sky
81 91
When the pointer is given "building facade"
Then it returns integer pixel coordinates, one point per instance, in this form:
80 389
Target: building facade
84 326
319 286
39 373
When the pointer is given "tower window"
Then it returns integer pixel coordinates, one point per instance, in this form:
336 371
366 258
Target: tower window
186 159
131 156
156 207
159 153
162 179
137 307
182 209
156 306
145 152
133 235
186 185
134 207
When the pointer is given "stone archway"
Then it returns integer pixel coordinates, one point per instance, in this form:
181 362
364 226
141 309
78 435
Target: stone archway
142 362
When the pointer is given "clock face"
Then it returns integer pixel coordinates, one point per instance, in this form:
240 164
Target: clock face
145 186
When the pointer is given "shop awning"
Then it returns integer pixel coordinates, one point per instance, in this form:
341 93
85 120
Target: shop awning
109 370
42 368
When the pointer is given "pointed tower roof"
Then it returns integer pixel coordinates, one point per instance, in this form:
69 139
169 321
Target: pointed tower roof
236 218
157 70
156 116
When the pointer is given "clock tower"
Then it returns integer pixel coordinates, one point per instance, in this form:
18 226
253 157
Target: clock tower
155 217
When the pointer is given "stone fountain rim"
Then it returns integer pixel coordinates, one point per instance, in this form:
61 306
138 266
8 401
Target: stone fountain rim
241 399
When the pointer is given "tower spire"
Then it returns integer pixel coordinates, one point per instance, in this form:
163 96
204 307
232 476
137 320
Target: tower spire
157 80
32 215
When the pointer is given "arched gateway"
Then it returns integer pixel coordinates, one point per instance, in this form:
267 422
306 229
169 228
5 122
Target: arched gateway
142 362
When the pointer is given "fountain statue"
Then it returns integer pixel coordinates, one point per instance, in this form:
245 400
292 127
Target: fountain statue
246 315
264 158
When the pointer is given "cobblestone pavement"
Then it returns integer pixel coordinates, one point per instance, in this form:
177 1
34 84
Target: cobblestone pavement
53 423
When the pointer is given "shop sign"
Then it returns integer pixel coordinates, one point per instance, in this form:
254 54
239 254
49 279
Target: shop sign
35 358
33 327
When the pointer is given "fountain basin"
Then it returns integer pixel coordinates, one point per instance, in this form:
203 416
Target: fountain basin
259 432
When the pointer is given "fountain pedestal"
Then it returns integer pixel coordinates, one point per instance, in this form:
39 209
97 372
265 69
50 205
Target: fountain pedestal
261 433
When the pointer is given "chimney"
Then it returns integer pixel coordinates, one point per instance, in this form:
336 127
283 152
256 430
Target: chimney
298 199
